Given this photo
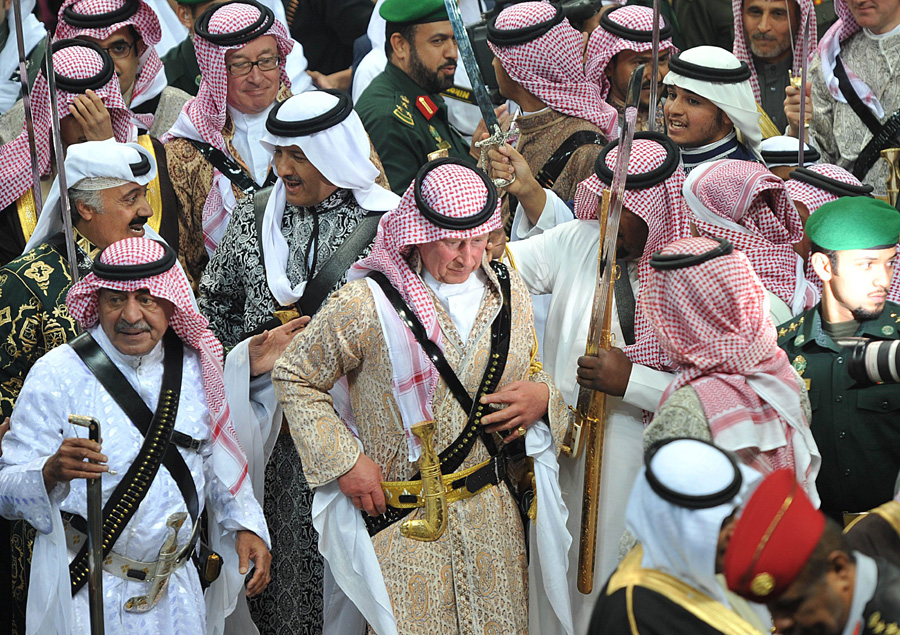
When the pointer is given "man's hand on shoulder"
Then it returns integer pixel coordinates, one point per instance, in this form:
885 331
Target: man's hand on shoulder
250 547
267 347
75 458
362 484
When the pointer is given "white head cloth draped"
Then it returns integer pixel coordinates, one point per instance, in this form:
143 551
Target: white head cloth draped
749 206
451 190
99 14
734 99
228 459
604 44
712 318
350 168
203 117
76 60
32 32
551 66
830 48
781 150
676 540
742 50
91 160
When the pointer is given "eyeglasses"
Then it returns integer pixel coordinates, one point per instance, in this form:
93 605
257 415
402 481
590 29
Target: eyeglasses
120 50
239 69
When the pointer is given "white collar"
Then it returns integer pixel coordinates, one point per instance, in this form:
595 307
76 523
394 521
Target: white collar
882 36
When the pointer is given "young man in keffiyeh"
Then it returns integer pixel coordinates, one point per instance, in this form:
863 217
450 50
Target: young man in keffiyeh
562 262
710 102
564 122
854 248
402 109
859 57
622 41
289 263
748 205
128 30
429 262
91 108
213 149
734 386
767 34
682 499
154 367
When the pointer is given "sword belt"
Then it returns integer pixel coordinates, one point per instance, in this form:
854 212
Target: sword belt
459 485
125 568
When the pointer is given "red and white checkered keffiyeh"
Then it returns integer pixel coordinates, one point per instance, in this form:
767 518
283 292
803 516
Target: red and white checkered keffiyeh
742 51
661 207
713 321
551 67
82 300
145 22
749 206
603 46
813 197
454 191
830 48
207 110
15 156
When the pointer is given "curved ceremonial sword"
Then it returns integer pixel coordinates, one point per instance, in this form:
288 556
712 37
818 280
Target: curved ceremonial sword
26 101
498 136
590 412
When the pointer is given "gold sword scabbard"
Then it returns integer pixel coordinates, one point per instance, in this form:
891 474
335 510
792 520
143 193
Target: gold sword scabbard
432 526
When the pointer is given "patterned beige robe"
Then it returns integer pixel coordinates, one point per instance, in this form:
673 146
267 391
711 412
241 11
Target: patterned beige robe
473 579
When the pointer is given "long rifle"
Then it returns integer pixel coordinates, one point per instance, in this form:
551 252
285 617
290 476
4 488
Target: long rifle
590 413
60 165
26 101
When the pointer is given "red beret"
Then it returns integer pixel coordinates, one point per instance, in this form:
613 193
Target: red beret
773 539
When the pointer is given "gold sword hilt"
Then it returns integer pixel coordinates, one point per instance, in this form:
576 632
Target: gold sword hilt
434 524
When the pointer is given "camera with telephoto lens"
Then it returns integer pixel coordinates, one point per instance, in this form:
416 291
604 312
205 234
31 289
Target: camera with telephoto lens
577 11
872 361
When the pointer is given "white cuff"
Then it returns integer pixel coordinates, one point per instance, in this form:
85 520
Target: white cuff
646 386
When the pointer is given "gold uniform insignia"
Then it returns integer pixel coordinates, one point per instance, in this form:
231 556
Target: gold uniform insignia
799 364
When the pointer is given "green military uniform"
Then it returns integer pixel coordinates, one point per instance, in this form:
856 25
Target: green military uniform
856 428
406 125
182 70
33 313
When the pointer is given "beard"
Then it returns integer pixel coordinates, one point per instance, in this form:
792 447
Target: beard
864 315
767 53
431 81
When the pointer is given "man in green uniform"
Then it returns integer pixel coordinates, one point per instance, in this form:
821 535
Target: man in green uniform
856 427
180 63
402 110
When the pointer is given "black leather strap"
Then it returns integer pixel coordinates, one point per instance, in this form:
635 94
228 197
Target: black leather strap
319 288
156 450
453 455
557 162
229 167
884 135
260 199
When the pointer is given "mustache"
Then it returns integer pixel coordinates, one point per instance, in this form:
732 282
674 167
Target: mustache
124 325
763 37
138 221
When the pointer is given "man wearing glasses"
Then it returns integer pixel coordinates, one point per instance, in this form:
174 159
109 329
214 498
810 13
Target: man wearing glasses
128 30
215 159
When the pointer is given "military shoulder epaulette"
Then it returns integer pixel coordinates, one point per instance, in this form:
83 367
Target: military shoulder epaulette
788 330
401 110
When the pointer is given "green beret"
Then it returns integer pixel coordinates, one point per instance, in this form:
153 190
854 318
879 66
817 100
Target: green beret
413 11
854 222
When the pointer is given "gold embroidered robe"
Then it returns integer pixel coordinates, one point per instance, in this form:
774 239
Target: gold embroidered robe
473 579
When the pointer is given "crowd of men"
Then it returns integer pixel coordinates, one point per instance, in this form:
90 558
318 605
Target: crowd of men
329 345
